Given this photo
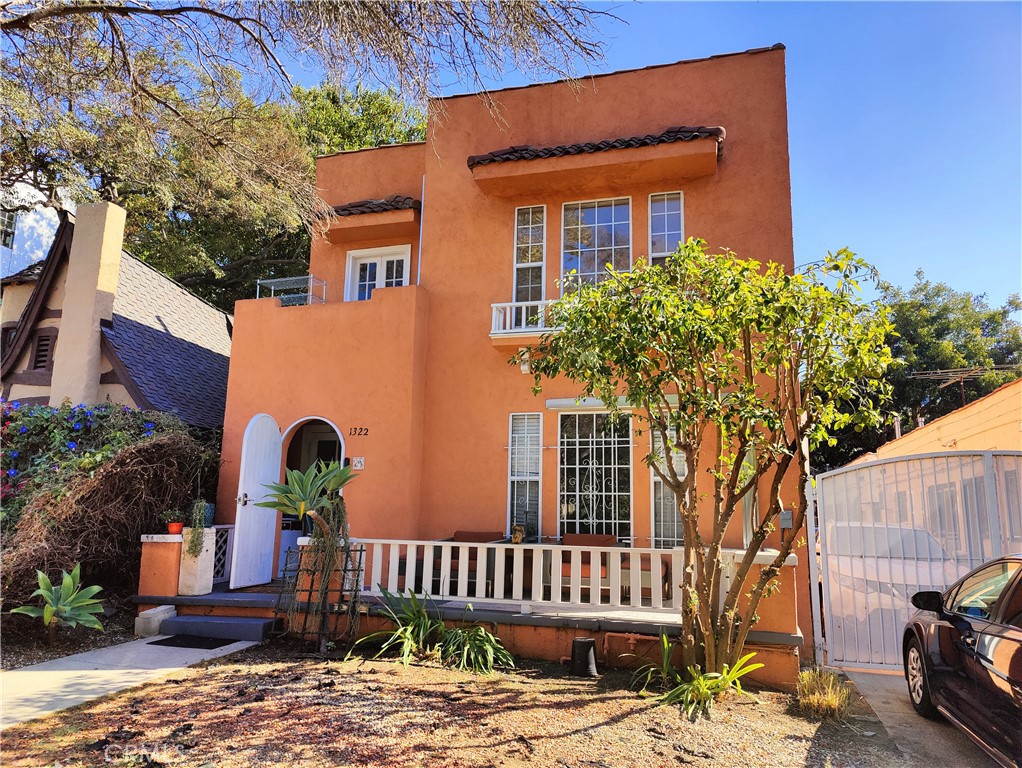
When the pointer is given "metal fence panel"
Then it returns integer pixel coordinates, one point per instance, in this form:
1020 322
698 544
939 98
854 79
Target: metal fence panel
888 529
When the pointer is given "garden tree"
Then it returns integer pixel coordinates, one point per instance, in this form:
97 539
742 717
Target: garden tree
178 107
154 67
727 359
216 242
936 328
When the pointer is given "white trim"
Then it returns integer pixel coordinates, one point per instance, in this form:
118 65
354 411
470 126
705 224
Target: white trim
631 233
514 251
594 403
305 419
649 221
510 447
161 538
403 251
652 491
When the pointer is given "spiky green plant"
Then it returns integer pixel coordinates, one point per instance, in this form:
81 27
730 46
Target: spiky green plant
474 648
660 674
67 605
697 694
415 632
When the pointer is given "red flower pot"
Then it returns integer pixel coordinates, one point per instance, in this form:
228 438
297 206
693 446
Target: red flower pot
175 528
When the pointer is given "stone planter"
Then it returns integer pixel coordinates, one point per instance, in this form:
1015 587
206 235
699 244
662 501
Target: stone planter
197 572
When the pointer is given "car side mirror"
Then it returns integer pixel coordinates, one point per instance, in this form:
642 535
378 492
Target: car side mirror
929 601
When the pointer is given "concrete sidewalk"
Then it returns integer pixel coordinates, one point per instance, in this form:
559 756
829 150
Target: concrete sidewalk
34 691
926 742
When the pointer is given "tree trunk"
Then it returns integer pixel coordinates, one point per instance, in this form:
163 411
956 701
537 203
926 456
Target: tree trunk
51 631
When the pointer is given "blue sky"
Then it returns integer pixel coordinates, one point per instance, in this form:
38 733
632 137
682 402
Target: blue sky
905 124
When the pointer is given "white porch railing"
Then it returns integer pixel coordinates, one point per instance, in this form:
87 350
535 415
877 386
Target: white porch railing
520 317
544 576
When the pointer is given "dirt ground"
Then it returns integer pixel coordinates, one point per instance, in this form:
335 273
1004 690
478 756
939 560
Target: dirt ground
23 641
269 706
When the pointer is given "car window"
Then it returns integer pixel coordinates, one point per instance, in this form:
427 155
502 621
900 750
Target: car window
979 592
1013 607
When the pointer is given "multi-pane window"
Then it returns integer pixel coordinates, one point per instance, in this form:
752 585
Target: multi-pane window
525 458
668 530
666 225
595 234
376 268
530 252
595 465
8 220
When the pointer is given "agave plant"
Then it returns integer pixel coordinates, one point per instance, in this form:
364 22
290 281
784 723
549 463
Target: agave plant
67 605
307 491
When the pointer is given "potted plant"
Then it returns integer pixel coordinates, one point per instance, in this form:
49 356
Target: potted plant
196 574
175 520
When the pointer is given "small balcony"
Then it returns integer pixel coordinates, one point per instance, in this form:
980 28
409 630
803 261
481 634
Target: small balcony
520 318
293 291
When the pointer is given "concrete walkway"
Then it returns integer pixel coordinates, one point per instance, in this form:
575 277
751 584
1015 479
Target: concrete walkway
926 742
40 689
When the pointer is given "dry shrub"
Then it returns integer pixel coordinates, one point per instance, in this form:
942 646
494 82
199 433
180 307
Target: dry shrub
823 694
98 519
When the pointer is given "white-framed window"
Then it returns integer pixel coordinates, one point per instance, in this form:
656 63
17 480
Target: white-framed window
595 474
750 501
8 222
668 530
530 263
666 225
525 472
595 233
370 269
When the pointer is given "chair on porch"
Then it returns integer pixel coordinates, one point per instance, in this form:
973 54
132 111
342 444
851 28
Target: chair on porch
586 540
467 537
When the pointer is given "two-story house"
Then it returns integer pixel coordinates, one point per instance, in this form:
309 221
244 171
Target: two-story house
394 353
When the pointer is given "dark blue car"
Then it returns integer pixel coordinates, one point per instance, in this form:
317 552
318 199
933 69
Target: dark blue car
963 657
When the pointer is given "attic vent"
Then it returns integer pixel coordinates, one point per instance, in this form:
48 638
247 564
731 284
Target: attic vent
43 357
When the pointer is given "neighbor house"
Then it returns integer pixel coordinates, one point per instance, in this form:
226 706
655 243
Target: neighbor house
91 323
393 354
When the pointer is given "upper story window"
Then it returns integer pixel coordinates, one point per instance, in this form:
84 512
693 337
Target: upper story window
530 252
666 225
595 234
8 220
373 268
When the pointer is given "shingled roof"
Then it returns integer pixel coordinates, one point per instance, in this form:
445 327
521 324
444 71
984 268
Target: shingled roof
175 347
392 203
529 152
29 274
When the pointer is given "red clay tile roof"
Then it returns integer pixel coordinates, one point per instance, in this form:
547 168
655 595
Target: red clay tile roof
392 203
528 152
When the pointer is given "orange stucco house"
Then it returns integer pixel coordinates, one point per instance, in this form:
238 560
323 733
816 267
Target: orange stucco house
393 355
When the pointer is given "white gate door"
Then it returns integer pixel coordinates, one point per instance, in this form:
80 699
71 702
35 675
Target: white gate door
255 528
888 529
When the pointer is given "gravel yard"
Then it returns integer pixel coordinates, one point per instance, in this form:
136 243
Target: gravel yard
270 707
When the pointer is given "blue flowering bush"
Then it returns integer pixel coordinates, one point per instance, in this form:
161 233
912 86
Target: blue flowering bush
44 447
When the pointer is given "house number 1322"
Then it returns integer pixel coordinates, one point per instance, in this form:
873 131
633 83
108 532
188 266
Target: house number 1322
358 431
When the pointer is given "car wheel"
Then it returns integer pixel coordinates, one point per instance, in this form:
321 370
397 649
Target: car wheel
918 683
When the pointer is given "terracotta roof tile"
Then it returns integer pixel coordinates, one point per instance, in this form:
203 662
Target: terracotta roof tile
392 203
528 152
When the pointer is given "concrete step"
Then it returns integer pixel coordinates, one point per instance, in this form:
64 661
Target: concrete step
224 627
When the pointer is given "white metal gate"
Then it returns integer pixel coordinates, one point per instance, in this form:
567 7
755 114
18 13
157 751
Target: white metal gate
888 529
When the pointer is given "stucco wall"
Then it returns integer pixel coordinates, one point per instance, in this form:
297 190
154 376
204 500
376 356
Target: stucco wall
991 423
418 373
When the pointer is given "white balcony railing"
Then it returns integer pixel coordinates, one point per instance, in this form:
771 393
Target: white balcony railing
293 291
520 317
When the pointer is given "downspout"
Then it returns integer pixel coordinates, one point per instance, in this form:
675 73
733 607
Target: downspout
422 210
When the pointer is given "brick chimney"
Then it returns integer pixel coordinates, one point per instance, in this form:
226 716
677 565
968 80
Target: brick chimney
89 288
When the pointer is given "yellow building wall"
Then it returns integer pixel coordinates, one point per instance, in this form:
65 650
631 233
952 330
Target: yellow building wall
992 423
